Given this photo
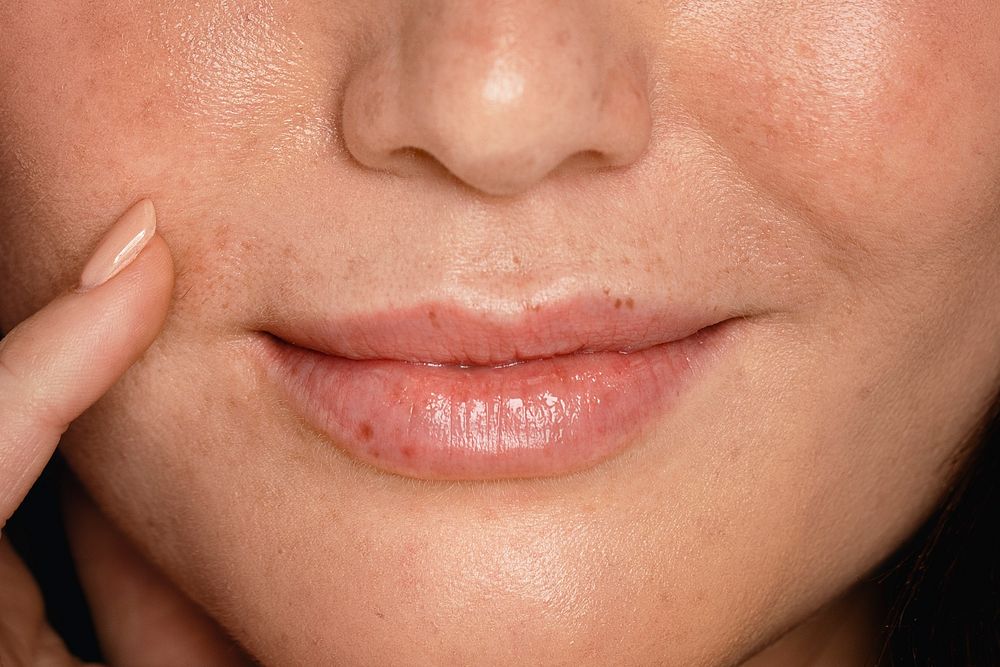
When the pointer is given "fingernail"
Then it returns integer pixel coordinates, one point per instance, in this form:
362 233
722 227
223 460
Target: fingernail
120 245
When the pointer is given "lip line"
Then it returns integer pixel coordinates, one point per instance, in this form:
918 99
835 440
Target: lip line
447 334
499 365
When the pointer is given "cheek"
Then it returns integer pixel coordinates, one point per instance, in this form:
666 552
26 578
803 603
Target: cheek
183 102
244 77
878 125
127 78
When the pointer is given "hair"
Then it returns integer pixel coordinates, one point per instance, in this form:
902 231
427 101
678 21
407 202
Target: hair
946 578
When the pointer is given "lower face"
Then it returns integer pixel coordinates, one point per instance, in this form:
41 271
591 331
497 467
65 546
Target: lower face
828 177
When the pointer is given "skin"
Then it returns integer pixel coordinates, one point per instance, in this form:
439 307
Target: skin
827 169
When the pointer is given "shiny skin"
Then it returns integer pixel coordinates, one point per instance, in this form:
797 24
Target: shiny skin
828 168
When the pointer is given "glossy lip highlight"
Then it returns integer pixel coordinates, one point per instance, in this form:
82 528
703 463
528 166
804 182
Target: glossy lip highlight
496 407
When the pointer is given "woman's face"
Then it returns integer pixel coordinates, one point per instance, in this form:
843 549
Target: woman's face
827 174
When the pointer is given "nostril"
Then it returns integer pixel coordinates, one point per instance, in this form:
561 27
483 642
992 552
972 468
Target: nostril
488 177
502 174
588 160
413 161
408 157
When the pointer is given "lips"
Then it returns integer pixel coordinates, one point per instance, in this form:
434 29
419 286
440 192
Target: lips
441 392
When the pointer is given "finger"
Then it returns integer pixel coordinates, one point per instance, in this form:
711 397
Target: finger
25 636
142 619
63 358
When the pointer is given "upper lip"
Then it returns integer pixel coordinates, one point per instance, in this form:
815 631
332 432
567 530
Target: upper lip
449 333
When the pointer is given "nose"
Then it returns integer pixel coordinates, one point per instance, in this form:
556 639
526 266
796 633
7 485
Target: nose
501 95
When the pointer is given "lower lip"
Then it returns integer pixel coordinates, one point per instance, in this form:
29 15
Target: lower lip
537 418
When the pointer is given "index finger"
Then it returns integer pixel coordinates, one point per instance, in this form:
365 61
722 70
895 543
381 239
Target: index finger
60 360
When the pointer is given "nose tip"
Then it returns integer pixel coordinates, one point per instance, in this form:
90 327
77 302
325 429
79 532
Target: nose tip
499 102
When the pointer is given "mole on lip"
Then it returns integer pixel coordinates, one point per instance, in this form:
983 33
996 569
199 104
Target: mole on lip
365 431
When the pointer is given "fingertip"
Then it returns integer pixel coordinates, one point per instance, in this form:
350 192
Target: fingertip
156 263
144 291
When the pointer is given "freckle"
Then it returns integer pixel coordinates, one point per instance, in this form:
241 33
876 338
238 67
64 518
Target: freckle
406 451
148 110
517 260
636 91
630 303
805 50
365 431
618 303
536 307
626 261
250 143
223 233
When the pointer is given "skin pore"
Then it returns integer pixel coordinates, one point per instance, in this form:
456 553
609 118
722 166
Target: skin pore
827 171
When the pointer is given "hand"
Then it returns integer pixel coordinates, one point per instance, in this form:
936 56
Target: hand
53 366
